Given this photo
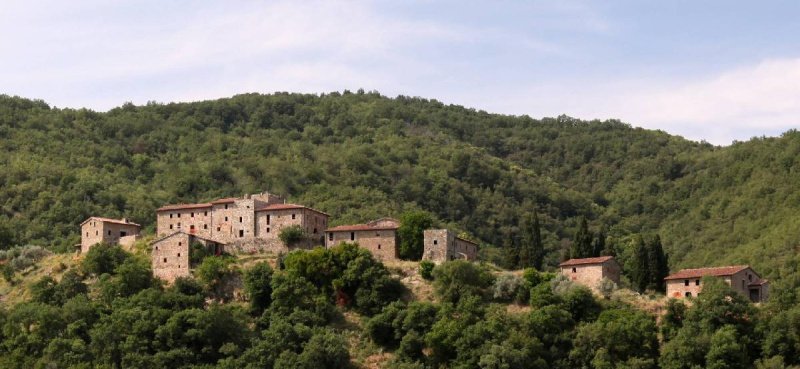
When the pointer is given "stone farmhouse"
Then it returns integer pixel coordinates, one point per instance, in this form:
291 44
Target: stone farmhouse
171 254
590 271
441 245
378 236
741 278
251 223
105 230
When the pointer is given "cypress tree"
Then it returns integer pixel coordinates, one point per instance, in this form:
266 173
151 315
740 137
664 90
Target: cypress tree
582 244
527 238
537 248
641 268
511 251
600 242
657 264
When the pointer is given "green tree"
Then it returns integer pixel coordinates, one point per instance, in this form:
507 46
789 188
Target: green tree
599 244
103 258
582 242
727 350
293 235
410 233
455 280
657 265
215 273
640 270
257 284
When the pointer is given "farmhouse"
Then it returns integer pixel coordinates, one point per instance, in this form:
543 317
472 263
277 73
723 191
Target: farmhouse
246 224
378 236
171 254
441 245
741 278
591 271
105 230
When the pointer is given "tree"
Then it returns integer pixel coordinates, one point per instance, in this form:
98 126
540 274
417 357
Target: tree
656 265
531 252
293 235
455 280
410 234
103 258
599 245
257 284
640 271
214 273
511 251
582 243
727 350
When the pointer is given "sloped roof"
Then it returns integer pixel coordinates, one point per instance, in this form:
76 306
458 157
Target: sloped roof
584 261
109 220
184 206
288 207
188 234
371 226
707 272
225 200
759 282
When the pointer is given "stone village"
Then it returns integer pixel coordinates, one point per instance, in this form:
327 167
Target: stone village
253 223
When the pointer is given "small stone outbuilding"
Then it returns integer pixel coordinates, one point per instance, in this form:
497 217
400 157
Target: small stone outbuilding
378 236
170 255
741 278
441 245
591 271
106 230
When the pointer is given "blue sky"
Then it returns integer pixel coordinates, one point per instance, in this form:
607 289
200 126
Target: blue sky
707 70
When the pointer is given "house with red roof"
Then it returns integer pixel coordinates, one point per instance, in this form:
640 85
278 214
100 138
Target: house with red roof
378 236
741 278
591 271
96 230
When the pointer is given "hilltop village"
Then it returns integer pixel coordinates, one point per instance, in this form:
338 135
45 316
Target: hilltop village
253 224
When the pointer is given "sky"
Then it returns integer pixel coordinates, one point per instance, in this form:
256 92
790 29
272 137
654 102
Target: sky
717 71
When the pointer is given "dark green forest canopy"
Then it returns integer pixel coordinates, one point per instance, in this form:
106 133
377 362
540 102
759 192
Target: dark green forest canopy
361 156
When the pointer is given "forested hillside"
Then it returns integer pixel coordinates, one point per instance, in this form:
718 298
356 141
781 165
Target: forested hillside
360 156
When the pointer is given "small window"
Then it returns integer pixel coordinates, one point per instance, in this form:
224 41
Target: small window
574 270
165 260
97 234
191 227
87 234
696 282
179 254
435 242
123 233
170 216
226 206
240 219
156 248
688 294
179 224
109 232
330 236
241 233
292 215
686 282
180 243
750 277
377 234
267 229
226 219
352 236
218 229
179 215
205 213
205 226
192 214
315 231
267 219
379 246
170 226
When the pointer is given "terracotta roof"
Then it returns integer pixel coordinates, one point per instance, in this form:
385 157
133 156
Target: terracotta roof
360 227
707 272
226 200
183 206
188 234
597 260
287 207
109 220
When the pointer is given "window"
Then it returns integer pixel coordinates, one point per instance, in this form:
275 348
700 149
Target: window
218 229
179 215
179 254
379 246
574 270
377 234
330 236
750 277
109 232
267 219
315 231
352 236
205 213
292 215
226 206
240 219
267 229
686 282
123 233
192 214
170 216
191 227
180 243
696 282
96 234
165 260
156 248
435 242
205 226
226 219
688 294
179 224
170 226
241 233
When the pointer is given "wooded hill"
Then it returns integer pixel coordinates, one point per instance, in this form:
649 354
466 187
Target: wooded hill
361 156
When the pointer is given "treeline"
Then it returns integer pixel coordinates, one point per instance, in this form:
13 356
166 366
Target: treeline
109 312
362 156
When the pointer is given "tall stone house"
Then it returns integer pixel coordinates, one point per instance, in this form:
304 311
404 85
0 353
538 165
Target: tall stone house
96 230
591 271
442 245
378 236
741 278
170 255
251 223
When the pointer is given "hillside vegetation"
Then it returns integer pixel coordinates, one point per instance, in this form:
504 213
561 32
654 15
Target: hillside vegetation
360 156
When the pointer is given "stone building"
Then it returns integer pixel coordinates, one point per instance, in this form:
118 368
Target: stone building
741 278
247 224
441 245
171 254
378 236
105 230
590 271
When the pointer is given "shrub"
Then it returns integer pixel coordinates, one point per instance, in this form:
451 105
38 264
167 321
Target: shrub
454 280
506 286
214 273
257 284
426 269
293 235
103 258
607 287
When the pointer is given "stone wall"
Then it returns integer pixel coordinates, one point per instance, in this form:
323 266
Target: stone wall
440 245
97 231
196 221
170 257
739 282
588 275
465 250
381 243
678 288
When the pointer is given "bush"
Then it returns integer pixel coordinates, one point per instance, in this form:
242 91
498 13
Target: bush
454 280
215 273
257 284
506 287
103 258
293 235
426 269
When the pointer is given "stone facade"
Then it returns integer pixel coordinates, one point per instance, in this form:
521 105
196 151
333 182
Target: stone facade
442 245
170 254
591 271
741 278
104 230
379 237
242 222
